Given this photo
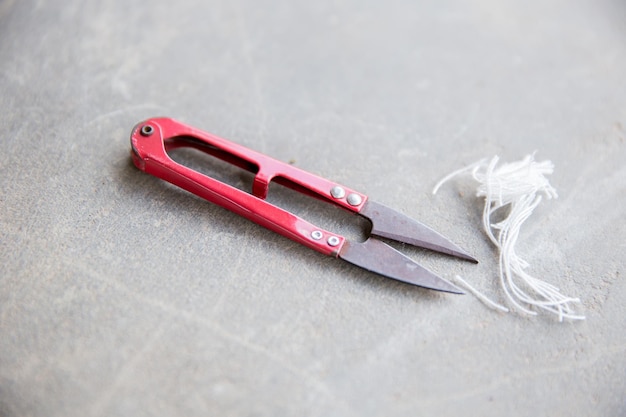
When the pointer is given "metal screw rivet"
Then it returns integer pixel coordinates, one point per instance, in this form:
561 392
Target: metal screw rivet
354 199
333 241
146 130
316 235
337 192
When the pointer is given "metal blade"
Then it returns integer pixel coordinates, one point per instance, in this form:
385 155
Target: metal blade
381 258
387 222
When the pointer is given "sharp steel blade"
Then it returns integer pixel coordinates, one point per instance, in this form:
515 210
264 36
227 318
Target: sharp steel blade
381 258
387 222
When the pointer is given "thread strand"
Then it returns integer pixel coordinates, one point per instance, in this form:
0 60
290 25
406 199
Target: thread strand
515 188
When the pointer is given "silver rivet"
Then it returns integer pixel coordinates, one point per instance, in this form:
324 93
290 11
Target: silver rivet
337 192
316 235
354 199
333 241
146 130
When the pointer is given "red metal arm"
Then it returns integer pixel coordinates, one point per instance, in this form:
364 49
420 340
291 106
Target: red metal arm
149 139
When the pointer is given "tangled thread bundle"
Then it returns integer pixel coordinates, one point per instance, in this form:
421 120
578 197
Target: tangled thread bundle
519 187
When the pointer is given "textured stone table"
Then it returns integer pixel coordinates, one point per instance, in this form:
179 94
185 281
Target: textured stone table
123 296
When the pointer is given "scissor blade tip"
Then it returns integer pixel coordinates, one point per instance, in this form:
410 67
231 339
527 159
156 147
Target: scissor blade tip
449 288
466 256
452 250
389 223
382 259
457 291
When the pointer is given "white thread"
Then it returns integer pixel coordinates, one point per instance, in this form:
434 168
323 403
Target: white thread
480 295
519 188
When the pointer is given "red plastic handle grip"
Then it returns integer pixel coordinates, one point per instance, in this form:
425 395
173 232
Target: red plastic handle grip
149 141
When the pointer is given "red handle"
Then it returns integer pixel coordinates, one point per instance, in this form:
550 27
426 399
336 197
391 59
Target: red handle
150 138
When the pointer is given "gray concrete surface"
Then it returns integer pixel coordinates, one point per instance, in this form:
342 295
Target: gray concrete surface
123 296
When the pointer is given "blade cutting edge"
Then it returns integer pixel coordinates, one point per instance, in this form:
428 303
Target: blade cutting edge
389 223
382 259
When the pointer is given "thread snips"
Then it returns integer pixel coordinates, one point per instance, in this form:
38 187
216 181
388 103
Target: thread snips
153 138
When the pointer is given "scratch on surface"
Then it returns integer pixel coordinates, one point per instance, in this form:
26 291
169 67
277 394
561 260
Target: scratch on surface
469 121
509 379
260 100
106 396
324 117
125 110
569 211
235 269
204 322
